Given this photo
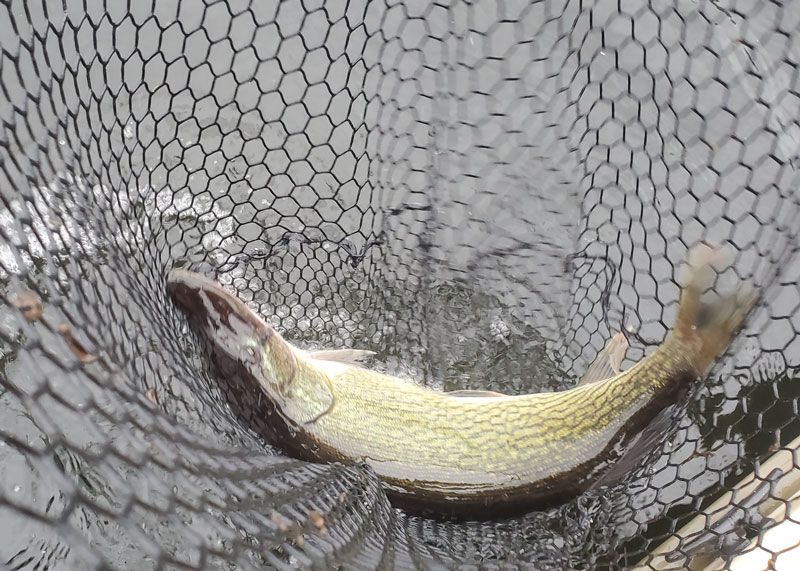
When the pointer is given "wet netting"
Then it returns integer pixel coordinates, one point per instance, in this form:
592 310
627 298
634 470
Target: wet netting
482 192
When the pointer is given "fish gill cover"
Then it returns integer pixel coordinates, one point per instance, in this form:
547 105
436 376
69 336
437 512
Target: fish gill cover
483 193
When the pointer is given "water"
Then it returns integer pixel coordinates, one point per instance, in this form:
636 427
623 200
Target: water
533 185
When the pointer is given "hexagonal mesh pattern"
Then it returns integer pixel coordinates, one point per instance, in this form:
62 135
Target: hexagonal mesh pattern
481 192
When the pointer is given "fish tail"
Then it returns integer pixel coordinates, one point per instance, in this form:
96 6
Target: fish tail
707 323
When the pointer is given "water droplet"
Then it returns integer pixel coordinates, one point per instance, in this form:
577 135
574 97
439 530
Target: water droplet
17 488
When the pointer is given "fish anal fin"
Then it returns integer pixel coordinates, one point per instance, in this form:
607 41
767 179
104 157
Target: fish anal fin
608 361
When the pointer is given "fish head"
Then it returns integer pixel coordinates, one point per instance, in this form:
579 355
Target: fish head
235 334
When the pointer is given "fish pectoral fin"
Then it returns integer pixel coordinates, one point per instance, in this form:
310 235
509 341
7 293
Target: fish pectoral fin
474 394
608 361
347 356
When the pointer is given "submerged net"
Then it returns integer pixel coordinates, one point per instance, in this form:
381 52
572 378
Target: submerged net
481 192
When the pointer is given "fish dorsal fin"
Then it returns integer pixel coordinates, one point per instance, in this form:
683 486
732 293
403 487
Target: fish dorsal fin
346 356
474 394
608 361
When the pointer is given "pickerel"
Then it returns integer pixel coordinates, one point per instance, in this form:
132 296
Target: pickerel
462 454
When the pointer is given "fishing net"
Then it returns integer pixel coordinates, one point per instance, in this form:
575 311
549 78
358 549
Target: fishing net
483 193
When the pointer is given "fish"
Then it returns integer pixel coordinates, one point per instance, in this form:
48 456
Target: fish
464 455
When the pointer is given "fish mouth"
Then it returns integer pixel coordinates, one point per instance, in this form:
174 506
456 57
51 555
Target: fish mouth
215 313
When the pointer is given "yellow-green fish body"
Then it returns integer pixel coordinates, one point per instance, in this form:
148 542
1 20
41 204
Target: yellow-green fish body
462 455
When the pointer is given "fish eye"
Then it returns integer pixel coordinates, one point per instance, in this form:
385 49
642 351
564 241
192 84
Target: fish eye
251 354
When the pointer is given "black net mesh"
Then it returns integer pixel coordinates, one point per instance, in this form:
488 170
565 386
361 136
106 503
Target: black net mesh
481 192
